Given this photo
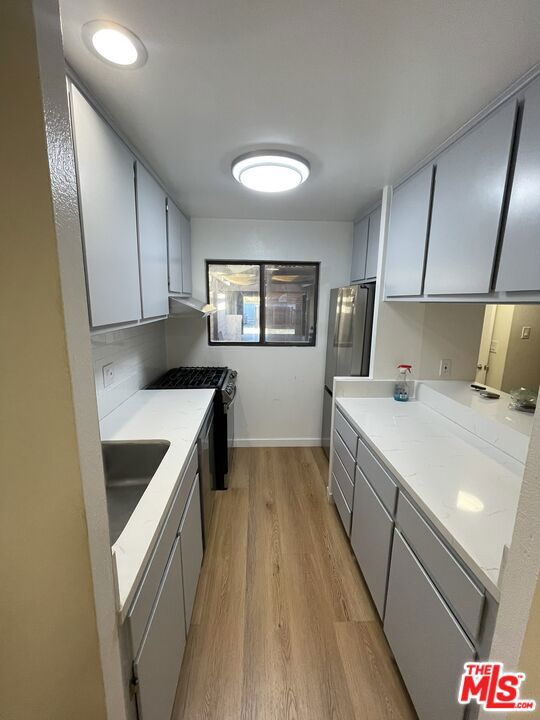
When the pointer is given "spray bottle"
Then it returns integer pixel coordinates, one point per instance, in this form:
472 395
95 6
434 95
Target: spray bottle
401 388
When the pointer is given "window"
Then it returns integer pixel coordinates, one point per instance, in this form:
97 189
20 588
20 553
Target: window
262 303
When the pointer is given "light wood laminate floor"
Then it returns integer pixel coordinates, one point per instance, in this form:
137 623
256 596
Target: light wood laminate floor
283 626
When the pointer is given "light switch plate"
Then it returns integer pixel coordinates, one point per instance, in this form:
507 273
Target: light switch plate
525 332
108 374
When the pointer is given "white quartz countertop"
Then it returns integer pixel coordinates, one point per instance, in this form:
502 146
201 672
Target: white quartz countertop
496 410
467 487
172 415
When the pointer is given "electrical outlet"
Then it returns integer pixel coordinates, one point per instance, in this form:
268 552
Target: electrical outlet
108 374
445 368
525 332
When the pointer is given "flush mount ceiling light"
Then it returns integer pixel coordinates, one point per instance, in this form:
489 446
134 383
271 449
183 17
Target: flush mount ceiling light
114 44
270 171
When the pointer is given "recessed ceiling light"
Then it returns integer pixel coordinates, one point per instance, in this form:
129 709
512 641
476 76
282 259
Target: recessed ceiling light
270 171
114 44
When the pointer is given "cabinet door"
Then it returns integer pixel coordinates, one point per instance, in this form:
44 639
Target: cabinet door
519 267
373 244
158 662
470 182
407 235
179 238
191 543
105 170
360 245
429 646
152 229
186 256
371 538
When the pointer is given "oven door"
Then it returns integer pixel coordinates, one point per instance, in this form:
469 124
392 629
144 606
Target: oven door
205 445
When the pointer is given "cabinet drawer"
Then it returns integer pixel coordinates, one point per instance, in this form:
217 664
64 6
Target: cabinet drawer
377 476
371 539
462 593
347 433
342 507
344 455
343 480
429 646
144 599
158 662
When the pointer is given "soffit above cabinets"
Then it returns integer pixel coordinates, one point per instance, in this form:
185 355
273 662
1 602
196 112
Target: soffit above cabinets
363 90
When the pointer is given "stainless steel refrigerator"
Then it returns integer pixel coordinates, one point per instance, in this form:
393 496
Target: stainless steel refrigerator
348 345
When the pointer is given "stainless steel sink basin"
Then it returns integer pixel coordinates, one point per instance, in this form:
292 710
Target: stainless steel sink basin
129 467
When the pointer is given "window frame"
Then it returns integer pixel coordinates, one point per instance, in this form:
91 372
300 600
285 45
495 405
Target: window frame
262 308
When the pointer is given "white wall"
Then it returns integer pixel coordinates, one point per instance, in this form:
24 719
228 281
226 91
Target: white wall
139 356
280 390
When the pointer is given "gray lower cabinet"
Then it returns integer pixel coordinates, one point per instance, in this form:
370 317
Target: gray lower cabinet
191 544
343 509
428 644
105 174
373 244
465 597
519 267
371 539
408 234
360 247
158 662
470 183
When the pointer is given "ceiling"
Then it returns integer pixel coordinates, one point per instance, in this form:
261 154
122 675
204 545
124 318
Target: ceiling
362 88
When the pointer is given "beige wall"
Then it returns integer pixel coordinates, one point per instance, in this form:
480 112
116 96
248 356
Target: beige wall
49 653
522 368
530 654
451 331
424 334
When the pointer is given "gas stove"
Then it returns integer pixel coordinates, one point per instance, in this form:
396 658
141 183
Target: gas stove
223 381
182 378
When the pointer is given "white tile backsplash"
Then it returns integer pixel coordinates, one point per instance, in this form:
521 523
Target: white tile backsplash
139 356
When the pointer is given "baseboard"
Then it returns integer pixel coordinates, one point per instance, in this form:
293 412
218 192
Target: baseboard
277 442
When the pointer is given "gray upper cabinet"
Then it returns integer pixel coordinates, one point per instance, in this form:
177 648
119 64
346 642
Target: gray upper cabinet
360 246
373 244
105 170
467 203
179 239
428 644
407 235
519 267
152 229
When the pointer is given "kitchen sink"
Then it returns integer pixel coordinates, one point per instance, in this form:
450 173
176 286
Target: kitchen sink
129 467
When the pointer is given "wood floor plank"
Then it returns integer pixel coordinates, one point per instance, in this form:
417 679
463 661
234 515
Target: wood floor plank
210 684
283 625
374 683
